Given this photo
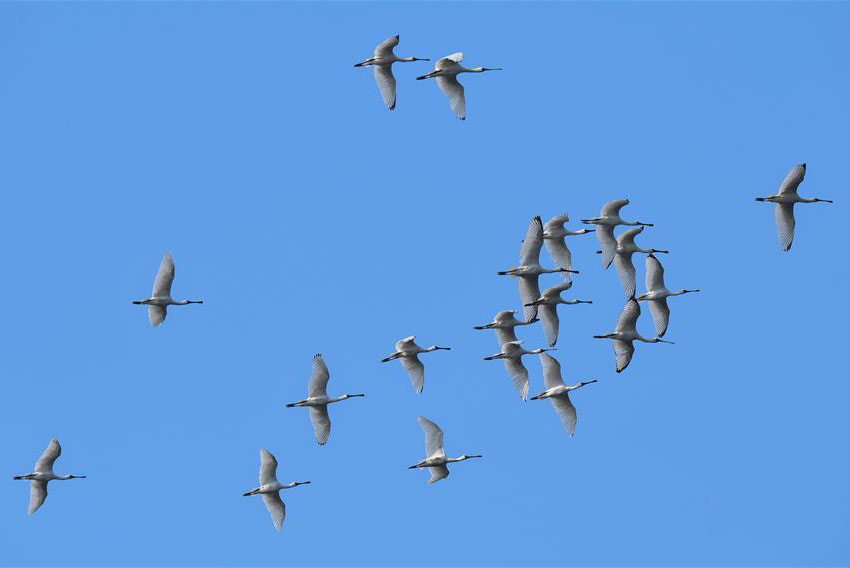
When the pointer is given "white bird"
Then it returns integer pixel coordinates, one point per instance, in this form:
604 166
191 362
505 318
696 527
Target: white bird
43 474
270 488
547 305
657 294
785 201
626 334
605 223
407 350
553 236
382 64
446 71
436 459
558 393
626 247
529 268
504 323
318 399
161 297
511 354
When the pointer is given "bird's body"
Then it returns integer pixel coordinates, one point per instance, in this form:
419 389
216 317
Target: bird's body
529 269
436 459
504 323
609 218
318 400
547 309
408 351
554 235
785 200
445 72
559 393
657 294
626 334
511 354
43 474
161 297
382 63
270 488
626 247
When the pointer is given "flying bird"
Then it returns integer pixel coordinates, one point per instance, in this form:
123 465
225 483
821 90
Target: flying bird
407 350
511 354
318 399
553 236
626 334
605 223
657 294
558 393
436 459
44 474
529 268
446 71
270 488
547 309
161 297
382 63
785 201
626 247
504 323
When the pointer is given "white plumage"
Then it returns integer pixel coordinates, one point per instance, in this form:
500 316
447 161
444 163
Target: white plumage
446 70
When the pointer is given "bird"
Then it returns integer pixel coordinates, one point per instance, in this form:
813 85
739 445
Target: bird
547 305
609 218
436 459
318 400
44 474
529 268
785 201
626 333
161 297
558 393
626 247
657 294
446 71
511 354
382 63
553 237
407 350
270 488
504 323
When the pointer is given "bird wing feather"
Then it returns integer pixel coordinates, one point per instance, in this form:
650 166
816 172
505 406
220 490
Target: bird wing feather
529 252
549 317
518 374
628 317
48 457
386 84
529 290
156 314
785 224
613 207
321 423
454 91
268 467
792 180
319 377
433 439
660 315
276 508
551 371
561 254
605 236
565 409
385 48
164 277
38 493
654 274
416 371
623 351
626 271
438 472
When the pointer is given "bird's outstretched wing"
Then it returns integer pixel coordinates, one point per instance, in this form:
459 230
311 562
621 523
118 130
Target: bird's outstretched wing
449 61
38 493
416 371
386 84
433 438
529 290
626 271
319 377
561 254
613 207
277 509
518 374
48 457
321 423
623 350
628 317
660 315
565 409
605 236
268 467
529 252
785 224
156 314
549 316
654 274
164 277
453 90
438 472
551 371
793 180
385 48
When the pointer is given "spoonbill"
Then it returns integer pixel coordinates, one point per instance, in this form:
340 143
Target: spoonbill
553 236
44 474
446 71
382 63
318 400
511 354
529 268
785 201
605 223
547 305
657 294
626 334
504 323
407 350
558 393
626 247
270 488
161 297
436 459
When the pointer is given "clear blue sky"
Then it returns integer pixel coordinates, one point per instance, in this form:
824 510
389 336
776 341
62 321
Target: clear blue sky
311 219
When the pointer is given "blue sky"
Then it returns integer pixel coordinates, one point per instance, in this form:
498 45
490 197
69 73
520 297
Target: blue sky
310 219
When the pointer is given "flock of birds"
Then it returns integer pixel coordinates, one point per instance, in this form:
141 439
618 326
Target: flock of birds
536 307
